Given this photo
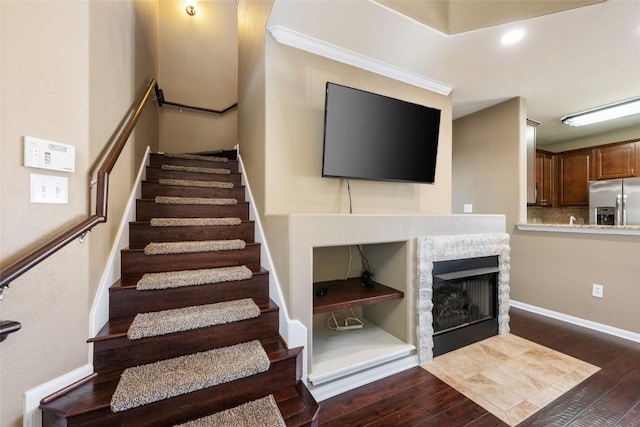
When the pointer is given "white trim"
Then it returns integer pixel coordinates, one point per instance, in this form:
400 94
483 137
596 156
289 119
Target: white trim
292 330
600 327
327 390
325 49
99 314
32 415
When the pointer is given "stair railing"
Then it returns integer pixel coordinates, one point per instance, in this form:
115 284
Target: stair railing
26 263
162 101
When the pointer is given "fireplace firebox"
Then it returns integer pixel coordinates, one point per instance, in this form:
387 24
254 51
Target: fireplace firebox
465 302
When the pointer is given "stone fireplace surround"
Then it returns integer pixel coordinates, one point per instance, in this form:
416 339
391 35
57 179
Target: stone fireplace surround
444 248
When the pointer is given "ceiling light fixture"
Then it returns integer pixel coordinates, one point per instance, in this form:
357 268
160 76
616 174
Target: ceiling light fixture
512 37
191 7
606 112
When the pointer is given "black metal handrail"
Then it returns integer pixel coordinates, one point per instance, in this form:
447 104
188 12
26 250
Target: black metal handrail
162 101
17 269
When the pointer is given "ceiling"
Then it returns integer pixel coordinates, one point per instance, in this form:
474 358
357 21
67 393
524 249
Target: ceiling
568 61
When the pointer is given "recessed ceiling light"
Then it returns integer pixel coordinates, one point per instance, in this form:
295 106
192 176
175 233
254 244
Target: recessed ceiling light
512 37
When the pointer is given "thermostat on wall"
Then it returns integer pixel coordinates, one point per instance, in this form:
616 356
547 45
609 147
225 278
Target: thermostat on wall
43 154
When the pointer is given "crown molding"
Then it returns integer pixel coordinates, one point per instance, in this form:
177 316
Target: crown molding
310 44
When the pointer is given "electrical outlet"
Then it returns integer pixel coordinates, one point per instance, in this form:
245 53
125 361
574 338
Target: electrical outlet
597 291
468 208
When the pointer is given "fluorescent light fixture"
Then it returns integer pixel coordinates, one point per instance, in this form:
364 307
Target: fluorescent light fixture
606 112
512 37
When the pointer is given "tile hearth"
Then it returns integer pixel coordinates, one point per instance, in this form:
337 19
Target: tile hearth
509 376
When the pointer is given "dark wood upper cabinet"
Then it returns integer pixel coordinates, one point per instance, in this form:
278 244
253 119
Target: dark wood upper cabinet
574 173
545 179
616 161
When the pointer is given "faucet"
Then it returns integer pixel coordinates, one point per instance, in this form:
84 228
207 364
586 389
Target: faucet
571 219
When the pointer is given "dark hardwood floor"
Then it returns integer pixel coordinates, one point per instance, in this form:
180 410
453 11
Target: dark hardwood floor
610 397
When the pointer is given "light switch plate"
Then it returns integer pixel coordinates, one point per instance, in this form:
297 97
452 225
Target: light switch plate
468 208
49 189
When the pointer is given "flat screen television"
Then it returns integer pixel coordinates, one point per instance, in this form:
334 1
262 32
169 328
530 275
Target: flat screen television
375 137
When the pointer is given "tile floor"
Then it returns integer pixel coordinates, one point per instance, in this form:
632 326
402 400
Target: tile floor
509 376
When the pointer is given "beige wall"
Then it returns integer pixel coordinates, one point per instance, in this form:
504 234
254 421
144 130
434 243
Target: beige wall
252 18
198 67
489 159
556 271
295 88
550 270
80 101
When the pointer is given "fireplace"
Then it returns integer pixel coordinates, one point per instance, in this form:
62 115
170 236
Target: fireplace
464 281
465 302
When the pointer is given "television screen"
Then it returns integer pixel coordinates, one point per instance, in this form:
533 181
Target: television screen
375 137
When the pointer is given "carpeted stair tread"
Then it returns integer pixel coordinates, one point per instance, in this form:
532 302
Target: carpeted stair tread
157 381
95 394
117 328
164 248
193 222
257 413
187 156
195 169
216 201
193 183
175 279
119 285
182 319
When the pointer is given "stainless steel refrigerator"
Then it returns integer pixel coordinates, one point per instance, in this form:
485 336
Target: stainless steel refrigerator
615 202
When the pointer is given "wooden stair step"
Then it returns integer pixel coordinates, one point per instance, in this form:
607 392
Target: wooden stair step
134 263
148 208
89 404
151 189
297 406
141 233
157 159
125 301
155 173
113 351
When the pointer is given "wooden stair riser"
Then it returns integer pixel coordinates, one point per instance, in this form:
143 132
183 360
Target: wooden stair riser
299 406
156 173
134 263
116 354
152 189
126 302
169 412
148 208
141 233
156 159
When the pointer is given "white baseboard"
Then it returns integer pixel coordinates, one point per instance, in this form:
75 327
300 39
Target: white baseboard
350 382
600 327
32 416
292 330
99 314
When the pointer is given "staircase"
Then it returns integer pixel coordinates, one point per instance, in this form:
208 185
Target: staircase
89 403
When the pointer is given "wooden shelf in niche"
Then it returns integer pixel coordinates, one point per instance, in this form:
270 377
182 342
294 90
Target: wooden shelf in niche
349 293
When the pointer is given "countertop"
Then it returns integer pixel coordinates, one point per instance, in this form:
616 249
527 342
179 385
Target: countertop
629 230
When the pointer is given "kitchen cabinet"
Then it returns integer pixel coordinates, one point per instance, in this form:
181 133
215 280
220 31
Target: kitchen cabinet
545 178
616 161
531 161
574 173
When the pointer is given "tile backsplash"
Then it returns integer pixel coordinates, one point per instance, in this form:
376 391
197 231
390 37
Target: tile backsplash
546 215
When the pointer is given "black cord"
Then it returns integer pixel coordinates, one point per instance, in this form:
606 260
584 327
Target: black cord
349 191
365 261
